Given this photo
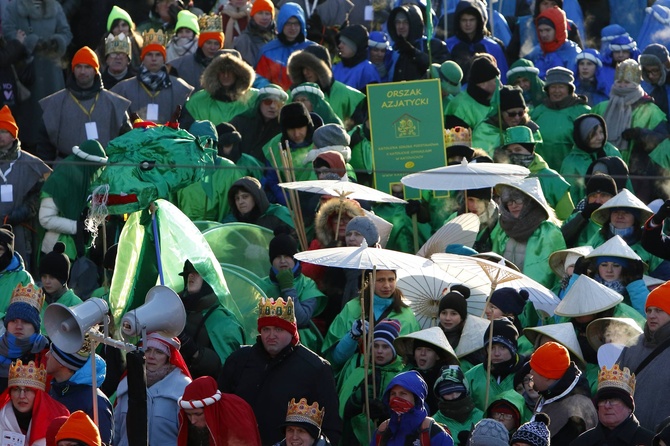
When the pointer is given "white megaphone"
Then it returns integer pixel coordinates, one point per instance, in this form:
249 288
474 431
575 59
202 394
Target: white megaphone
67 326
162 311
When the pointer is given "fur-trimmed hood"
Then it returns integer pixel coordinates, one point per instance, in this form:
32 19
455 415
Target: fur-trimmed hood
243 72
315 57
327 212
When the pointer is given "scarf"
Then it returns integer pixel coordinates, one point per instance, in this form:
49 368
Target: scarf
12 348
159 374
265 33
566 102
615 285
182 46
458 410
154 81
619 113
624 233
11 153
521 228
519 159
233 27
84 94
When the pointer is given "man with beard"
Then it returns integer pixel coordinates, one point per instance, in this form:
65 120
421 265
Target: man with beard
82 110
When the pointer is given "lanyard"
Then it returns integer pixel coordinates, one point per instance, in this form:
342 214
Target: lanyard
151 95
86 112
6 173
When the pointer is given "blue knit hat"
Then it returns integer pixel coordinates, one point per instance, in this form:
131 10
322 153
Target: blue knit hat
386 331
73 361
25 312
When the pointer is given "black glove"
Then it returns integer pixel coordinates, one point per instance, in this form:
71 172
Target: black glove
80 227
662 213
412 207
188 346
589 208
631 134
378 410
403 46
582 266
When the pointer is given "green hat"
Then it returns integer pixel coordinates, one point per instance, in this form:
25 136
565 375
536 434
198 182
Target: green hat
272 91
90 150
119 13
521 135
450 76
186 19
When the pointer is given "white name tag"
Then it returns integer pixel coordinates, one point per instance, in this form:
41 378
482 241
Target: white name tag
13 439
369 13
91 130
7 193
152 112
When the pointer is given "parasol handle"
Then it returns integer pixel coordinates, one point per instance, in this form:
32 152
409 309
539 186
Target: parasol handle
366 364
371 316
415 232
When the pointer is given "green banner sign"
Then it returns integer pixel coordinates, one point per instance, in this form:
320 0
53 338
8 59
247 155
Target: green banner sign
406 126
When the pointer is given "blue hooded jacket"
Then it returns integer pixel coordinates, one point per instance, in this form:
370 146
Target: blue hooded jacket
596 92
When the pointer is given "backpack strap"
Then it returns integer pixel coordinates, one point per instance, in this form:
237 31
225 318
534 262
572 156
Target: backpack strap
382 436
428 426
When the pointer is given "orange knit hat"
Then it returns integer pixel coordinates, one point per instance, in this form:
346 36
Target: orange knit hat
262 5
550 360
86 56
80 427
659 297
205 36
7 121
153 47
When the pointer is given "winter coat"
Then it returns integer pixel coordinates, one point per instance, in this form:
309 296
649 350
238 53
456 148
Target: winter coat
273 58
331 12
455 426
358 76
546 239
467 109
269 383
190 68
255 130
214 102
490 134
252 39
476 379
557 127
266 214
651 260
554 187
629 432
361 153
565 55
14 274
162 409
648 385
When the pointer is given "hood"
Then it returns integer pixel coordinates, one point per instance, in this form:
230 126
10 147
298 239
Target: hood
291 10
579 136
476 8
513 398
415 22
328 211
557 17
411 381
536 6
83 375
315 57
359 35
252 186
335 161
244 77
612 166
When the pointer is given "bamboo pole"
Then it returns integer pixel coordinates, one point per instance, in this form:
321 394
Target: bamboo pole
371 316
366 361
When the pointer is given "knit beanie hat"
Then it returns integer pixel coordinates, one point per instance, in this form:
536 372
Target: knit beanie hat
559 75
378 39
659 297
330 135
91 150
25 312
366 227
450 76
73 361
551 360
7 122
228 134
509 300
54 427
80 427
504 333
455 300
587 123
204 129
628 70
118 13
482 70
386 331
56 263
262 5
489 432
294 115
272 91
485 193
282 244
86 56
601 182
591 55
451 380
511 97
186 19
333 160
534 433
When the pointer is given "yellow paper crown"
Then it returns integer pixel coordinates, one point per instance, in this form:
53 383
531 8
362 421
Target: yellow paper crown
617 378
457 136
30 294
210 23
155 37
277 308
27 375
302 412
117 44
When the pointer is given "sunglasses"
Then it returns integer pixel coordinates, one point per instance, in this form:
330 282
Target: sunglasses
270 101
515 114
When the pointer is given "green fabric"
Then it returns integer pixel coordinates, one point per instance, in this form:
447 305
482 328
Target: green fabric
247 165
243 244
556 190
463 106
69 299
443 206
576 164
118 13
298 155
487 136
591 372
646 257
203 107
8 281
402 235
455 427
546 239
476 379
525 348
646 116
556 127
343 99
225 332
516 399
661 154
69 185
361 153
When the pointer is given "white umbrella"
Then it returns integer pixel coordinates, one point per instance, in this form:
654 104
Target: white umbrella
461 230
362 257
342 189
497 276
465 176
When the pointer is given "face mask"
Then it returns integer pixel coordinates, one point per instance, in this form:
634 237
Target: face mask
400 406
521 160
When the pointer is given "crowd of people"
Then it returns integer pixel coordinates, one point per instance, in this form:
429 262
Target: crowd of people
576 92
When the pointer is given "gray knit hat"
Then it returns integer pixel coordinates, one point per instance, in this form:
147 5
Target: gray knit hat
366 227
330 135
655 55
559 75
489 432
534 433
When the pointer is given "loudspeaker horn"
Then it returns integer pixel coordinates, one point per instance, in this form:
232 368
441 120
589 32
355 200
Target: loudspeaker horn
67 326
162 311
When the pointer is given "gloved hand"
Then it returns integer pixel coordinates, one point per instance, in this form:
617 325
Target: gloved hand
357 328
403 46
412 207
582 266
631 134
285 279
188 346
589 208
662 214
378 410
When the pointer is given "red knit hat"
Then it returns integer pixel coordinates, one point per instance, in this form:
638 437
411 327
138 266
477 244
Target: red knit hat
53 429
80 427
7 122
551 360
86 56
262 5
659 296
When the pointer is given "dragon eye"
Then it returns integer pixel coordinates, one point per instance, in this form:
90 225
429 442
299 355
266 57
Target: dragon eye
147 165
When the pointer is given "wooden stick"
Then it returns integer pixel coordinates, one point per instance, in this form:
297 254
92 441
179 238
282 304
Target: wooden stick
372 327
300 228
366 363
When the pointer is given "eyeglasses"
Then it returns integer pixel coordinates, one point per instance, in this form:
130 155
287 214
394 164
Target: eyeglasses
527 380
20 390
518 202
612 402
501 416
295 24
515 114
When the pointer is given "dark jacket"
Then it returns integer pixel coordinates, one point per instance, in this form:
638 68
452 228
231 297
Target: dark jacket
654 241
255 131
629 432
268 384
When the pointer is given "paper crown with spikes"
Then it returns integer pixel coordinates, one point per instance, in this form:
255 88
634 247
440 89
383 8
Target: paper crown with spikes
277 308
153 37
27 375
30 294
117 44
616 378
303 412
460 136
210 23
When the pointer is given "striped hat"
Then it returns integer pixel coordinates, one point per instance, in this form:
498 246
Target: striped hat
386 331
200 393
73 361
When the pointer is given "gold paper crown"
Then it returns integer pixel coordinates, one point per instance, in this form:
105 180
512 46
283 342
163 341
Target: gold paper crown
28 375
30 294
302 412
617 378
117 44
277 308
457 136
155 37
210 23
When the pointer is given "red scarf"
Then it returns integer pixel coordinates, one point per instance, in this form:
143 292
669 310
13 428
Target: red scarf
45 409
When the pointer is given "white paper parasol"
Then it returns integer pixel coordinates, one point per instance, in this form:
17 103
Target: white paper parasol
461 230
465 176
342 189
363 257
